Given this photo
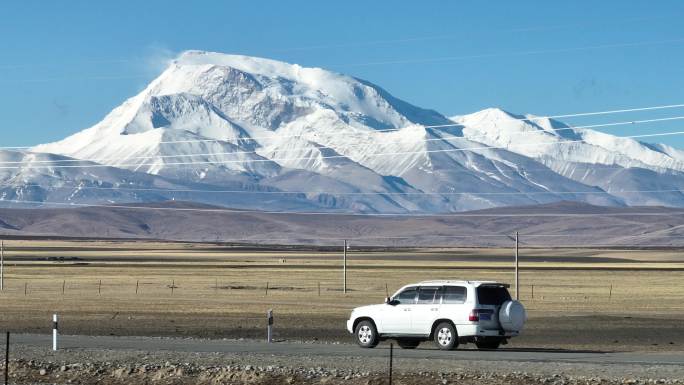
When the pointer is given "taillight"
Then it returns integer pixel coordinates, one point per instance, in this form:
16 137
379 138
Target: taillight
474 315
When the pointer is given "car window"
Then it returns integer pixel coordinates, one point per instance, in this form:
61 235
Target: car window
408 296
492 295
427 295
454 294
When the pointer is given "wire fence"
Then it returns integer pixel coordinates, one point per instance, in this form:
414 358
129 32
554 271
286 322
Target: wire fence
164 288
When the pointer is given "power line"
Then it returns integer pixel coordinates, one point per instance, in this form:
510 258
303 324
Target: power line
529 119
451 215
45 64
331 156
408 39
619 111
102 77
578 167
453 36
446 139
454 236
445 236
504 54
359 193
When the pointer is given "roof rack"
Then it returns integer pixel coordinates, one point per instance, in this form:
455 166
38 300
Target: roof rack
443 281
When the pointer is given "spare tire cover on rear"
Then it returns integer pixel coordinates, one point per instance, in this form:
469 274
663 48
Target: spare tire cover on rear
512 316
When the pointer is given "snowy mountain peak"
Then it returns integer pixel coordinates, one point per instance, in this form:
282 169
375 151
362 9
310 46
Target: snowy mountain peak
492 114
250 64
231 97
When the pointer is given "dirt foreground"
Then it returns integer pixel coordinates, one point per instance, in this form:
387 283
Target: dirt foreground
76 366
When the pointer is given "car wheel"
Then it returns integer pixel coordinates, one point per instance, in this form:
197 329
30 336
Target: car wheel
488 343
366 334
445 336
408 343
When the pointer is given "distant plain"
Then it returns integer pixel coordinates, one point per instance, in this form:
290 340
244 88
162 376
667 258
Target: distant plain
605 299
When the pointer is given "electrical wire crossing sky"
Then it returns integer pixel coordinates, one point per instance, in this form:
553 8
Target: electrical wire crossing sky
67 65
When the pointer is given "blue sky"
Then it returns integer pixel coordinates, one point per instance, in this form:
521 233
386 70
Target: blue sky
64 65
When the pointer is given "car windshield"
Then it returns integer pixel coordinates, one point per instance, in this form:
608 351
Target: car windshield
492 295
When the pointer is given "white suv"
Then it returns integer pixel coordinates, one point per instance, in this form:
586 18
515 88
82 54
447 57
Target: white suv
448 312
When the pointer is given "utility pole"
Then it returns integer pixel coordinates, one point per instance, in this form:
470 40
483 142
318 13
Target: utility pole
344 269
517 275
2 265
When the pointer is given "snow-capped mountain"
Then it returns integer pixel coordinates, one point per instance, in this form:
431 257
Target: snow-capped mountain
636 172
328 141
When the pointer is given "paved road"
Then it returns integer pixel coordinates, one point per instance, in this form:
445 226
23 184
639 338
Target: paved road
330 350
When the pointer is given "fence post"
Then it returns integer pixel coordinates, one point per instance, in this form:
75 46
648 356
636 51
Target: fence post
390 363
63 286
610 293
267 288
137 283
99 287
54 332
532 291
269 334
7 343
319 288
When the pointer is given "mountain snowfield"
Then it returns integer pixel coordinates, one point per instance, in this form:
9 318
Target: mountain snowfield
254 133
635 172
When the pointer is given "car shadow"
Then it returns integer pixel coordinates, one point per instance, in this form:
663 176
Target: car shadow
527 350
541 350
517 350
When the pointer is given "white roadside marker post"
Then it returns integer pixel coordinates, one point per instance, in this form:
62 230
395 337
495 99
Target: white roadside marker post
54 332
269 316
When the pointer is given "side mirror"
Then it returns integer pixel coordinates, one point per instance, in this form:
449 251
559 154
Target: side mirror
390 301
387 300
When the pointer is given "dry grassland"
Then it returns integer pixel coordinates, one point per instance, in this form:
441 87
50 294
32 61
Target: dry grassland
210 291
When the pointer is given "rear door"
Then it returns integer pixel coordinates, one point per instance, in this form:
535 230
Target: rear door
490 298
426 309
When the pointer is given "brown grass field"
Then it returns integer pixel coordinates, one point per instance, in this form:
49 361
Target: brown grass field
576 298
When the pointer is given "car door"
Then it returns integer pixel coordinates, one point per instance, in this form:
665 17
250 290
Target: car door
454 305
396 315
489 301
426 309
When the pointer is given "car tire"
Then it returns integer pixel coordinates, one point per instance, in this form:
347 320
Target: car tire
445 336
488 343
366 334
406 343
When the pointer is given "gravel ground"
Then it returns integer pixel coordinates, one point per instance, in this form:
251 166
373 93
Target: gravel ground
31 365
582 332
